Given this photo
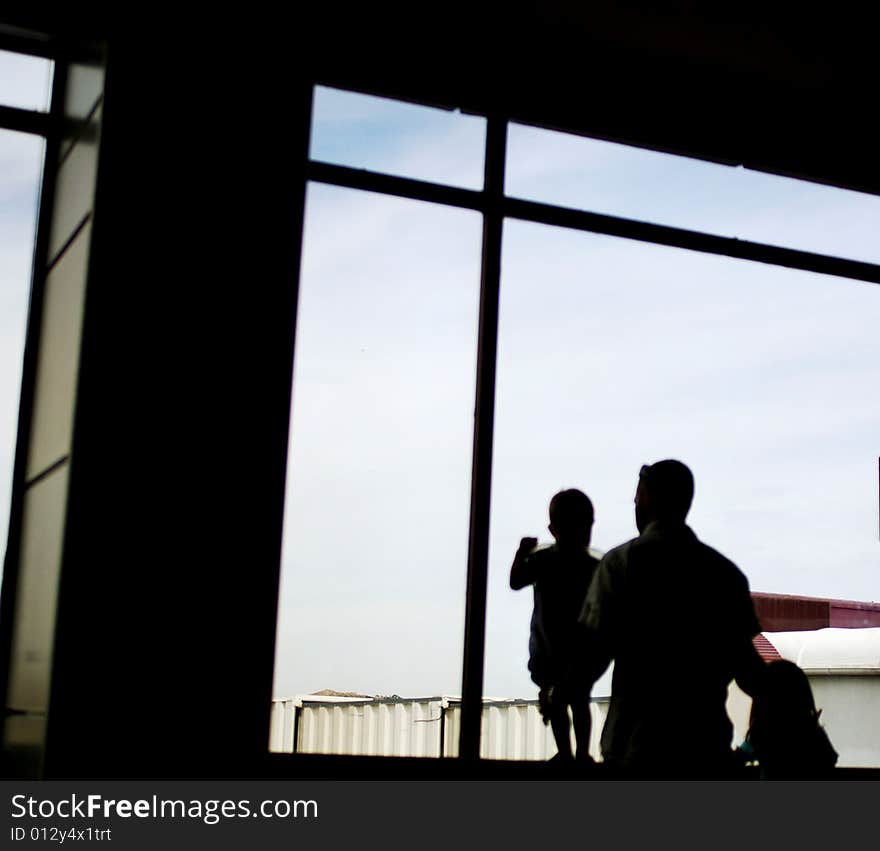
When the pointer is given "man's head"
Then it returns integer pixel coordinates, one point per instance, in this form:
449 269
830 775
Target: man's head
665 493
571 518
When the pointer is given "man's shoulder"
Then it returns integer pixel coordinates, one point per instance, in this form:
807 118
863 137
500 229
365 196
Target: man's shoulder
682 541
620 551
617 555
719 561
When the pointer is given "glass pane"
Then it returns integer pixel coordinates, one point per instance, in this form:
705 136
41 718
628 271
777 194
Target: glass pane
21 164
25 81
615 353
376 516
620 180
398 138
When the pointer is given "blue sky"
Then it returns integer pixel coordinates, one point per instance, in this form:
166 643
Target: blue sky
612 353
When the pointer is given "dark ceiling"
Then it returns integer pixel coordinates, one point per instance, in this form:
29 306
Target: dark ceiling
777 86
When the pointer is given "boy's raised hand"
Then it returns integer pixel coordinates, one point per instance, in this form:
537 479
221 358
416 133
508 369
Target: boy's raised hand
526 545
519 572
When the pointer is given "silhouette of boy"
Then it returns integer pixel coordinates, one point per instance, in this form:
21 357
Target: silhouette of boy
558 656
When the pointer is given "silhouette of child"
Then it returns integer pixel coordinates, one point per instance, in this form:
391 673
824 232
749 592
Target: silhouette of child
784 733
559 653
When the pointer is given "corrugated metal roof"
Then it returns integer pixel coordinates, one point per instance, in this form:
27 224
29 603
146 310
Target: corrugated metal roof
300 700
788 612
766 650
332 699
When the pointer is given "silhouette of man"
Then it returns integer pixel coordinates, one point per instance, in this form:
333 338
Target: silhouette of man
561 574
678 620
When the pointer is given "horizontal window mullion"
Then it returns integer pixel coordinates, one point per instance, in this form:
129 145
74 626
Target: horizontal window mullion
566 217
27 121
402 187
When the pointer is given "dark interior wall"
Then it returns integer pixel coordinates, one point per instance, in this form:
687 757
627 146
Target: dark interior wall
164 652
782 86
165 640
49 380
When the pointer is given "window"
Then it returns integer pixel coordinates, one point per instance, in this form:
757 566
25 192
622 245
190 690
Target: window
749 291
26 82
376 521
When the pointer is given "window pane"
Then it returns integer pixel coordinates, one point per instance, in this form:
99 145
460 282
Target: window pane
398 138
634 183
615 353
25 81
376 516
21 164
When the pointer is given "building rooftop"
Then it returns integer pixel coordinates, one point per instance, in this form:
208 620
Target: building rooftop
790 613
829 651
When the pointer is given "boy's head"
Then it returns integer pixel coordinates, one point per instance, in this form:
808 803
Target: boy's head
571 518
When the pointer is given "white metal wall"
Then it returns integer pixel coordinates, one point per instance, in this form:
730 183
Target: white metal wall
514 730
851 716
281 725
380 728
510 729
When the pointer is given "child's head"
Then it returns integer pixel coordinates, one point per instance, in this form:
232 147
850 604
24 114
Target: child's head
571 518
784 702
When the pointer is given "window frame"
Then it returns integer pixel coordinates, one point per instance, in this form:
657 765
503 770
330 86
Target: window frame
51 125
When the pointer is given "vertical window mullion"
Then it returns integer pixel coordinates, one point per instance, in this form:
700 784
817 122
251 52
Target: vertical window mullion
484 414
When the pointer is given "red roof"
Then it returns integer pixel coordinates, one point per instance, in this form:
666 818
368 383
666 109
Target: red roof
766 650
788 613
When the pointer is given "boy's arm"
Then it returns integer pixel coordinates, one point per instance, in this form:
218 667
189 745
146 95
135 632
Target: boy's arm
521 572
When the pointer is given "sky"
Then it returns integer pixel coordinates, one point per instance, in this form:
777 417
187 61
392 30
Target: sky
24 83
612 353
